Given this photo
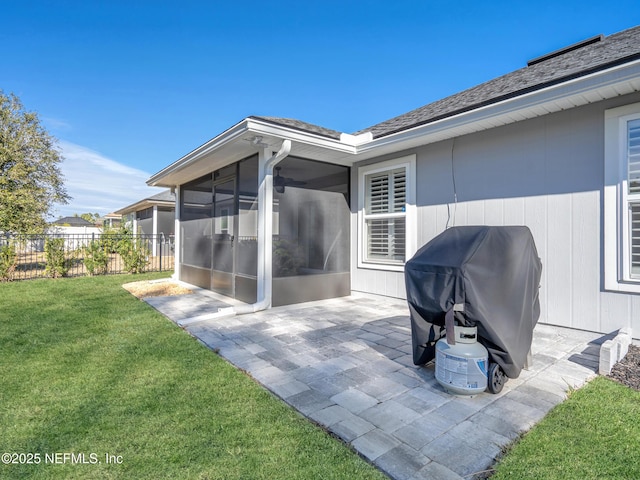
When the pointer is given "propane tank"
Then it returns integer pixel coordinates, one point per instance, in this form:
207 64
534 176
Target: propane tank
461 366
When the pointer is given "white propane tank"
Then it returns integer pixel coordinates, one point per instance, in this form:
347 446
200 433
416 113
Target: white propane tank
461 368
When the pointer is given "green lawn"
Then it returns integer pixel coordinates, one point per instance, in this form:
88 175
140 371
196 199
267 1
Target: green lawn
595 434
86 368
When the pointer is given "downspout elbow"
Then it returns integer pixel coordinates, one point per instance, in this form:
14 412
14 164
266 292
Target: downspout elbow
280 155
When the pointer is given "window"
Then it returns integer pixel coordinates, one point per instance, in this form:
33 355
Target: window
622 199
387 212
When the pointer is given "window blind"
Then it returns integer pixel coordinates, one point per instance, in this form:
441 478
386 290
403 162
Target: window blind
634 233
385 207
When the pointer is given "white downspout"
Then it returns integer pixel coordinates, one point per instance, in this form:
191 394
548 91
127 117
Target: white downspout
265 228
265 239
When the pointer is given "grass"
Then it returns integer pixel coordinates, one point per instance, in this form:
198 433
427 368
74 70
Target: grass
594 434
89 369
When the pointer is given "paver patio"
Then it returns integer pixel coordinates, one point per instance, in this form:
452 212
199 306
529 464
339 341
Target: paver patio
346 364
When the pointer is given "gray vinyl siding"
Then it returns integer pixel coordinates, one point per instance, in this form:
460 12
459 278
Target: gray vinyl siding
546 173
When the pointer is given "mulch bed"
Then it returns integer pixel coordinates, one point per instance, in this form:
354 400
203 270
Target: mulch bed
627 371
144 289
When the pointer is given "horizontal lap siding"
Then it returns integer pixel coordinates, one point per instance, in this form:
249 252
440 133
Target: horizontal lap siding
546 173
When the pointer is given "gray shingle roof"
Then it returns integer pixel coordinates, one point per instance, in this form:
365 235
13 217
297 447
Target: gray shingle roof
164 196
299 125
73 222
612 50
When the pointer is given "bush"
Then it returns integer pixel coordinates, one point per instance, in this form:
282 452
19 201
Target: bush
287 258
96 257
57 263
134 254
8 262
113 237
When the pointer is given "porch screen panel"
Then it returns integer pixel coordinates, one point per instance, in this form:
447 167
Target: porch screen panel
196 207
311 219
145 226
385 222
247 256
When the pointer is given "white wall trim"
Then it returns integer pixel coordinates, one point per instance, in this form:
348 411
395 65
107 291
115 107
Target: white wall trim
409 163
616 216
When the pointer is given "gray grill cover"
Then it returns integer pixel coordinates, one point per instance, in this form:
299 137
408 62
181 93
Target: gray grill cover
495 272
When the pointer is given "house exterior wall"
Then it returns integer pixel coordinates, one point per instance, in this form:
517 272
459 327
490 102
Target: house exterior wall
546 173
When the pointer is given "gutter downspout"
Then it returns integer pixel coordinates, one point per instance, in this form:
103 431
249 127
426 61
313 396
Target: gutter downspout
265 239
265 228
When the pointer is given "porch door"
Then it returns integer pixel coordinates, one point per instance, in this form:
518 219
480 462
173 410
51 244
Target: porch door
224 237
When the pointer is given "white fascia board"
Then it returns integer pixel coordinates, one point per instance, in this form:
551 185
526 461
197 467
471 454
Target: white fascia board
143 204
523 105
356 140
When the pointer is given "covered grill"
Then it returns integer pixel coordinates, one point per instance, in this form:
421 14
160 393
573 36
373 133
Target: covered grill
481 276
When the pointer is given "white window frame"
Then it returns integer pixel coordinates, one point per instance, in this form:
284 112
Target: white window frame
410 214
617 201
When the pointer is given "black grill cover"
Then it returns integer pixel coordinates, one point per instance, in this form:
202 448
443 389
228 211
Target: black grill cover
495 273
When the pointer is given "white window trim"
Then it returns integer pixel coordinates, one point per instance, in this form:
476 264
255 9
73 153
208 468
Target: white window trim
617 275
411 236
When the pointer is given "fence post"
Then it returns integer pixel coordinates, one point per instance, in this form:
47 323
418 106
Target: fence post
160 245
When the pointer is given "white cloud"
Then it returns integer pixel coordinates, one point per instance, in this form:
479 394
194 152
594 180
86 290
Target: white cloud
56 124
99 184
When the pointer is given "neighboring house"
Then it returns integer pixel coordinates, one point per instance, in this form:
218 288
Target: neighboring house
111 220
278 211
73 226
154 215
77 231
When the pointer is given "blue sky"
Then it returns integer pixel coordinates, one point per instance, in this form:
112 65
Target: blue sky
129 87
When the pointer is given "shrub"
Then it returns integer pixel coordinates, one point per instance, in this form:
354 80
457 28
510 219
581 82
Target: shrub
134 254
8 262
57 263
287 258
96 257
112 237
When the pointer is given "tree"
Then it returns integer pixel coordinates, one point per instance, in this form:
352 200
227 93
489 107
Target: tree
30 178
89 217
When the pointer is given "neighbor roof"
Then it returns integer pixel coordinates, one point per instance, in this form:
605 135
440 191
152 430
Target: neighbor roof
610 51
165 198
73 222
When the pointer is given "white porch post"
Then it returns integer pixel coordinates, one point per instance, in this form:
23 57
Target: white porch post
155 230
177 235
